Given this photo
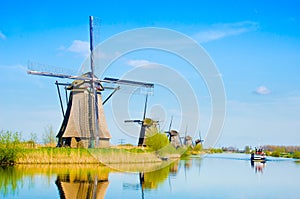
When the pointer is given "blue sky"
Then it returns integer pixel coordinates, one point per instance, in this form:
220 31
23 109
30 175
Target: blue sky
254 44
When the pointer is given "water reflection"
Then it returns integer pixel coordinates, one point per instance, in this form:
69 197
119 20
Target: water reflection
258 166
84 181
153 179
83 185
94 182
208 177
77 181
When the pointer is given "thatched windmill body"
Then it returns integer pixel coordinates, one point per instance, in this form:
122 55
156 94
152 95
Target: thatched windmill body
173 135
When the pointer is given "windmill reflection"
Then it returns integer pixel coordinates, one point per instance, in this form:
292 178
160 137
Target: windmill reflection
152 180
79 185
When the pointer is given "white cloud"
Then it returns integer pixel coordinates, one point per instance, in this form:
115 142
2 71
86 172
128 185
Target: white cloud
140 62
2 36
262 90
79 47
219 31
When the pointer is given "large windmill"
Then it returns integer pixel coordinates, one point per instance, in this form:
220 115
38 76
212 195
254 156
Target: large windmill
84 122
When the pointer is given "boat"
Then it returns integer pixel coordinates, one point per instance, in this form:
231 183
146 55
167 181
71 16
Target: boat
258 155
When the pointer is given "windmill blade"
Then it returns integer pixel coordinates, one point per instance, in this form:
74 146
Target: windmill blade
50 74
128 82
94 90
138 121
114 91
142 135
110 87
63 84
60 100
171 123
145 108
36 66
64 76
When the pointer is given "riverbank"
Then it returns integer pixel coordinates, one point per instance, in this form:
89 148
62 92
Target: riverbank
50 155
15 151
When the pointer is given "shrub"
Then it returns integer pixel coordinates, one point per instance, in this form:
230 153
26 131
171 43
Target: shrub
296 155
10 147
198 148
212 150
156 140
276 153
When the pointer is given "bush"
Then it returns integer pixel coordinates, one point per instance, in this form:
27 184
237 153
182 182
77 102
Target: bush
276 153
198 148
296 155
156 140
10 147
212 150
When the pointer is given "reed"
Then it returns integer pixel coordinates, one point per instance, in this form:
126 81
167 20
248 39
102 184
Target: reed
48 155
115 155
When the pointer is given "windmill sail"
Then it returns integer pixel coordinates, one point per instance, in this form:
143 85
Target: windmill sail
143 127
93 99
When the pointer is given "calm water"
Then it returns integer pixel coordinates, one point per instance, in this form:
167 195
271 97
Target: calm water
211 176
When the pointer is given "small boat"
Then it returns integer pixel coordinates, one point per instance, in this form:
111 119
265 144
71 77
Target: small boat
258 155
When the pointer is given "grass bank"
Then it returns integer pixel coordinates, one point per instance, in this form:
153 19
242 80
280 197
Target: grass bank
49 155
15 151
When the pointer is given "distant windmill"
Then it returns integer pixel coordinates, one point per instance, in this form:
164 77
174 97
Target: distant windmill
173 136
84 122
145 123
187 140
200 140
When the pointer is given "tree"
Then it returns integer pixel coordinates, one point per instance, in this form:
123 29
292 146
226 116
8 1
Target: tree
32 141
247 149
49 136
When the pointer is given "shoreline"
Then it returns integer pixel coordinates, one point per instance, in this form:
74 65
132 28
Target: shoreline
103 156
90 156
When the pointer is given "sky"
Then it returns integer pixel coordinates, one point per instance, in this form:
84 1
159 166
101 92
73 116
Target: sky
255 46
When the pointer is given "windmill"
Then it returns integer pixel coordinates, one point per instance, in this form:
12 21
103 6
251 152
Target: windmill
200 140
187 140
173 136
84 122
145 123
